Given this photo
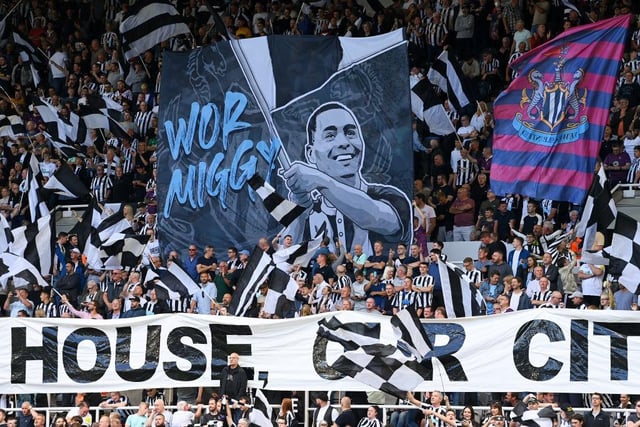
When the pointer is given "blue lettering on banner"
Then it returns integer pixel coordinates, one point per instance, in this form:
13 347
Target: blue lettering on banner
192 184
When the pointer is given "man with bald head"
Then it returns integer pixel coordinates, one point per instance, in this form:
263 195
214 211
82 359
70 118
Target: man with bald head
233 380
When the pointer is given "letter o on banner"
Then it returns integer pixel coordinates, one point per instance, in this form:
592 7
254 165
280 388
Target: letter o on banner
70 355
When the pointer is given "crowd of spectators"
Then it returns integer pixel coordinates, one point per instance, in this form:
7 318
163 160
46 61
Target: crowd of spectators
527 257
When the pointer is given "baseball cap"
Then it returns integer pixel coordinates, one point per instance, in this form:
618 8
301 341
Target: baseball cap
134 298
576 294
244 252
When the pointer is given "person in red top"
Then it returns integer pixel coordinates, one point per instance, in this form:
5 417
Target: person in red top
463 208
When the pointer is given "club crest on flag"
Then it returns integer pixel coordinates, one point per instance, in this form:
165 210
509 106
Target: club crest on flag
557 106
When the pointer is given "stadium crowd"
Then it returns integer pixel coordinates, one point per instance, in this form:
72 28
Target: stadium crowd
528 257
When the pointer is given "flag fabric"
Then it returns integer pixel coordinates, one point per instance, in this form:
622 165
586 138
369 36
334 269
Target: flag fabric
300 254
178 280
427 107
599 212
392 368
551 118
261 412
149 23
64 150
66 183
448 76
122 251
6 238
34 243
37 207
253 276
90 220
624 253
103 113
460 296
151 280
283 210
35 54
56 129
280 283
21 270
11 126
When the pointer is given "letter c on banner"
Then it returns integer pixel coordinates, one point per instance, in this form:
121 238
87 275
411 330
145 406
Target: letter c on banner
70 355
521 348
320 364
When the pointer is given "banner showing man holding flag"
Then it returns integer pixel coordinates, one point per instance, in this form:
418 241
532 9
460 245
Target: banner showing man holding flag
550 120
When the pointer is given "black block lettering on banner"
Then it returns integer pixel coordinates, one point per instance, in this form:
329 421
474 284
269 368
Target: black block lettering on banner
177 347
221 348
444 354
100 340
21 353
579 351
151 355
618 333
521 350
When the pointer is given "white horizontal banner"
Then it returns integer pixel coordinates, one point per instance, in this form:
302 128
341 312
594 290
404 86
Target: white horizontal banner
538 350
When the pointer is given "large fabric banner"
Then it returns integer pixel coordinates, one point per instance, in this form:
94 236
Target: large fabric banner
553 350
551 119
325 120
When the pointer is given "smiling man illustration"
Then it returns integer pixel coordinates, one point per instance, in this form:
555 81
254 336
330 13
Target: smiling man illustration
340 202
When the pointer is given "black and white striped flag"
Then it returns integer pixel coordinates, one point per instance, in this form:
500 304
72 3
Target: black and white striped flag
20 270
261 412
178 280
253 276
32 186
6 238
447 75
103 113
149 23
56 129
35 54
599 213
300 254
283 210
461 298
624 253
428 108
393 368
11 126
34 243
66 183
122 251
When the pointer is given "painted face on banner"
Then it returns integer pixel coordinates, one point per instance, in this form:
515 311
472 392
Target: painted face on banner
337 144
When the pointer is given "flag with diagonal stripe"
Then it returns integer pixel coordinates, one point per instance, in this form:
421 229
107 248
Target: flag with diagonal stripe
65 183
426 106
300 254
447 75
34 243
461 298
253 276
599 212
261 412
149 23
20 270
32 186
283 210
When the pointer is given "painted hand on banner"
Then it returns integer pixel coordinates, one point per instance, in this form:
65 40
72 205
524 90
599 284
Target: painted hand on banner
302 180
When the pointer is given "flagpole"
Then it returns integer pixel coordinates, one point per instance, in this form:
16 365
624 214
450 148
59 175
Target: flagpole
12 10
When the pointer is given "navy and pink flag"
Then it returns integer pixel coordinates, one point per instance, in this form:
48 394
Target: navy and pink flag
551 119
